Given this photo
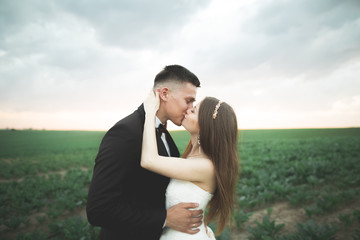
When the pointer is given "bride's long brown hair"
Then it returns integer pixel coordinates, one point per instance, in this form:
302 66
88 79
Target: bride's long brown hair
219 141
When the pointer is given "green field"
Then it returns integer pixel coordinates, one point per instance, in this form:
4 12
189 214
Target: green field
294 184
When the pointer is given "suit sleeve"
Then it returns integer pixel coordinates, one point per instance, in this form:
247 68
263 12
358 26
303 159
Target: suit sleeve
107 204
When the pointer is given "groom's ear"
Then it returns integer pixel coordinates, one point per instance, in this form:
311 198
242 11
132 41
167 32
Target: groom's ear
164 93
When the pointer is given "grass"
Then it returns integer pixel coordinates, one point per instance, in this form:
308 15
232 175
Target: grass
44 178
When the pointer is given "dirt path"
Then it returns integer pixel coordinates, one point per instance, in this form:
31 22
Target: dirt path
283 213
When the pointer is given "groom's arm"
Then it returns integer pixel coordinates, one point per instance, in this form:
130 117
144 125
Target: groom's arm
181 218
107 204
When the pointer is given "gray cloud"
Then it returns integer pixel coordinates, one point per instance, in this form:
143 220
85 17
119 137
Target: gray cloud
57 49
134 24
294 37
52 29
130 24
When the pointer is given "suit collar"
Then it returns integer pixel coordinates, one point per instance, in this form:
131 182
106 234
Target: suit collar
141 112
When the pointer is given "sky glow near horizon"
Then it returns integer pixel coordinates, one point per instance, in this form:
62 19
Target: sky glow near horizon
67 65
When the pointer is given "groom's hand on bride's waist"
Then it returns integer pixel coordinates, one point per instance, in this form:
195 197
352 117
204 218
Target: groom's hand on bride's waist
183 218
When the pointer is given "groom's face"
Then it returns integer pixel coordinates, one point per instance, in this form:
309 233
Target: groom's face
179 101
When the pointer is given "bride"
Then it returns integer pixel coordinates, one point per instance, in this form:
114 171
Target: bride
208 171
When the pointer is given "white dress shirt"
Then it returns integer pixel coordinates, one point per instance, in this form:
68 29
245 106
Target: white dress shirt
163 137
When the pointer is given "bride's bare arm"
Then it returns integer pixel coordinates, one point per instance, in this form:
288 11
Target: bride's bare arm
179 217
196 169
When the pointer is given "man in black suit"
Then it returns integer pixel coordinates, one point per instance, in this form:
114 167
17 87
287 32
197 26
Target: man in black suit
125 200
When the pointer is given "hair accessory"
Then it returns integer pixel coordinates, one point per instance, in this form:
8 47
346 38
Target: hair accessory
216 109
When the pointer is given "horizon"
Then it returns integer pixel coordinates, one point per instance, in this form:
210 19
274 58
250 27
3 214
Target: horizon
170 130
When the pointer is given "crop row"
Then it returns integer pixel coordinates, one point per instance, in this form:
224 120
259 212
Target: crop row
52 195
314 170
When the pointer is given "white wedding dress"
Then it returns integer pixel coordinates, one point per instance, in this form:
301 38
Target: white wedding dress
184 191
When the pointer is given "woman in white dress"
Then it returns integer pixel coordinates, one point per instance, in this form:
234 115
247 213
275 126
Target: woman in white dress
208 169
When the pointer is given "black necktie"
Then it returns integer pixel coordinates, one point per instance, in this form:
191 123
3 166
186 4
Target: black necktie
161 129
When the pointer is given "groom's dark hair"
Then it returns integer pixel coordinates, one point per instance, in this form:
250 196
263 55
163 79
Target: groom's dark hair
176 73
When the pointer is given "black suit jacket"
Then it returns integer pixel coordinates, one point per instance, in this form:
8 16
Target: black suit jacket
126 200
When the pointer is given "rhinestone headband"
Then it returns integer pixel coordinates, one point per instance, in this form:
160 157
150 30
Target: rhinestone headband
216 109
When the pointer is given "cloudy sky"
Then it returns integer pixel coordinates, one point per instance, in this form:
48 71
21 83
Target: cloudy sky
86 64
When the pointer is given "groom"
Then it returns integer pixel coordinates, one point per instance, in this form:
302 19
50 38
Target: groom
125 200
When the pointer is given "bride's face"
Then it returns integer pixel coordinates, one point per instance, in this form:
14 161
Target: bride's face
191 120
